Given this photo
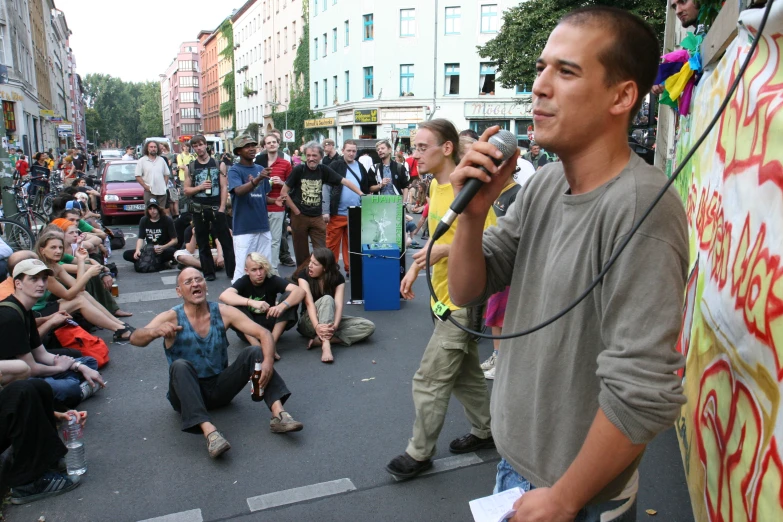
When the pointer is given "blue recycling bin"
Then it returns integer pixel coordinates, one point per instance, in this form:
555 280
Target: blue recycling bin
381 276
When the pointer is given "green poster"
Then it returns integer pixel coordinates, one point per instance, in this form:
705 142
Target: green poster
382 218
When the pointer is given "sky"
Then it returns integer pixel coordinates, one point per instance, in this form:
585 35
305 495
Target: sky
136 40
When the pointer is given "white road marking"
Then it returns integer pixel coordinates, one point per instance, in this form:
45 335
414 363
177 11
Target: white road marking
304 493
449 463
169 280
150 295
194 515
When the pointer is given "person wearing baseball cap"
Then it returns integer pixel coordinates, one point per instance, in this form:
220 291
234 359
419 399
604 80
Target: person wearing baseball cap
157 231
249 190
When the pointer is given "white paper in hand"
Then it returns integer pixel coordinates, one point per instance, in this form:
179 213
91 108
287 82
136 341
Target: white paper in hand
495 508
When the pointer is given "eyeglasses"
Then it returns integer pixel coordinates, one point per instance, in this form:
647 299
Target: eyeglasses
421 149
192 280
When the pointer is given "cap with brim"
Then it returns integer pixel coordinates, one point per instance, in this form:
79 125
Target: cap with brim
243 141
31 267
153 203
74 204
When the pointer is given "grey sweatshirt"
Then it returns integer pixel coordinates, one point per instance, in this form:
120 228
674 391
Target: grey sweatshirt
616 350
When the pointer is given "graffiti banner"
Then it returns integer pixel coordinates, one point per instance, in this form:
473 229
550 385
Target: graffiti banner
731 429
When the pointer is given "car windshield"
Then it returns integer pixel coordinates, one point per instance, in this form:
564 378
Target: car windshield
121 173
111 154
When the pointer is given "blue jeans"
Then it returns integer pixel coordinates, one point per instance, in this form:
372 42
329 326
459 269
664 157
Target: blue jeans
507 478
67 385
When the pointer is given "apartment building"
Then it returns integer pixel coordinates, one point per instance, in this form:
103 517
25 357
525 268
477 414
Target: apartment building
282 25
249 67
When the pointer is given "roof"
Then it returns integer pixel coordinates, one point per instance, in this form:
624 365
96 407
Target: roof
242 9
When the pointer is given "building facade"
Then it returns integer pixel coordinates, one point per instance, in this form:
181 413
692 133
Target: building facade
209 83
249 67
180 92
42 77
77 106
225 65
57 34
281 27
381 68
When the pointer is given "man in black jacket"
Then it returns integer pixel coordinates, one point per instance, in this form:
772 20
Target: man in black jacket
337 199
390 177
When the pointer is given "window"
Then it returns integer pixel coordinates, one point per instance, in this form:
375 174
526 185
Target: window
315 12
285 39
190 113
334 40
452 79
323 5
406 80
326 92
315 54
334 80
316 94
293 34
453 20
407 22
347 33
489 18
522 89
187 65
287 88
324 55
347 85
368 84
487 78
189 97
189 128
278 43
368 27
188 81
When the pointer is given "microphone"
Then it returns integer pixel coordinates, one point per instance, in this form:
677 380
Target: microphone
506 142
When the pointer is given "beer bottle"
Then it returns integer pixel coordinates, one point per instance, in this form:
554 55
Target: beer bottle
208 191
258 392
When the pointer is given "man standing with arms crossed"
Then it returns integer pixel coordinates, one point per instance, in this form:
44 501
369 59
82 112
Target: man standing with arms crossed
575 403
450 363
249 189
152 173
209 192
278 170
284 257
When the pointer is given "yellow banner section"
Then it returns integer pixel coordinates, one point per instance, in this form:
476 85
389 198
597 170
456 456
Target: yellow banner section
319 122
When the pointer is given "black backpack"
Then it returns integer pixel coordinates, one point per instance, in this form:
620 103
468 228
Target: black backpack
147 261
117 238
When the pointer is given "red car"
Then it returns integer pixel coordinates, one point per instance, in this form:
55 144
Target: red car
121 194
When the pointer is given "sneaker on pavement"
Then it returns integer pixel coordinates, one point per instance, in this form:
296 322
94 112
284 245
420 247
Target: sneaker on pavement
217 444
48 485
287 262
489 363
210 277
468 443
87 390
284 423
406 467
490 374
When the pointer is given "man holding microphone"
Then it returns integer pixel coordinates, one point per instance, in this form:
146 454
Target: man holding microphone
575 403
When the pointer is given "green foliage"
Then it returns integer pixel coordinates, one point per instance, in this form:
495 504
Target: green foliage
526 29
228 108
123 112
252 130
298 109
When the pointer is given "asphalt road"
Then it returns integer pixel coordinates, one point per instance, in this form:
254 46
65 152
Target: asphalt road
357 414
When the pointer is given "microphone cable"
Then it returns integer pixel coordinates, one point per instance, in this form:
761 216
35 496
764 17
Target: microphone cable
442 311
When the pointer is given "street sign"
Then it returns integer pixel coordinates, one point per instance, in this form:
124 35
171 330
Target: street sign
394 134
289 136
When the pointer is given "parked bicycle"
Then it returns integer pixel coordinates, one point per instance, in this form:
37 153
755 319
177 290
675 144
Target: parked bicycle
33 220
16 235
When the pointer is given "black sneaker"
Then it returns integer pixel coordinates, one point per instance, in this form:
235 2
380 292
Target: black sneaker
210 277
49 485
469 443
287 262
406 467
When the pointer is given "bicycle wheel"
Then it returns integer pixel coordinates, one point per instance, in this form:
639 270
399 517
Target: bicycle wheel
16 235
46 205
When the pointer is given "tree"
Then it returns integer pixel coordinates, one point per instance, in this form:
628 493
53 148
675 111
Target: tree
94 124
150 110
227 108
526 29
298 109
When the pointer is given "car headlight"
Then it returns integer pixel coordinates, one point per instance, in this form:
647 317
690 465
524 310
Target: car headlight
111 197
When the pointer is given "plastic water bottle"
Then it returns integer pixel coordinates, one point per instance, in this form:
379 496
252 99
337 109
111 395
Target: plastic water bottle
74 459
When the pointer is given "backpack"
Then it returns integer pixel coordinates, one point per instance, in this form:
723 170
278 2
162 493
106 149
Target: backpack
78 338
117 240
147 261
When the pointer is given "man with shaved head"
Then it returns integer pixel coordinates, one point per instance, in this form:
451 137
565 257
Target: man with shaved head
200 378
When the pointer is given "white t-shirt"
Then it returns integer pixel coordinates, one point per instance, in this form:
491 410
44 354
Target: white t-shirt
526 171
153 173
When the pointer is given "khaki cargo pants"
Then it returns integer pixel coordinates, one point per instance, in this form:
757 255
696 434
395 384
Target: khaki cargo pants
450 364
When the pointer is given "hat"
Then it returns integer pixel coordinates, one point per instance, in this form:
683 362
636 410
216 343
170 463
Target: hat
31 267
63 223
153 203
74 204
242 141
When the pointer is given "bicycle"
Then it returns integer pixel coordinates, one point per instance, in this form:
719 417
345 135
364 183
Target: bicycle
16 235
28 217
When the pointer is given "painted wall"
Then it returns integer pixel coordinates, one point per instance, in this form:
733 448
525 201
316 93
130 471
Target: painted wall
731 429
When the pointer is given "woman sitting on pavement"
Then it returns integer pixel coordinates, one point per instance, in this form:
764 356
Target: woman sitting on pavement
67 294
322 320
93 237
99 286
256 295
156 229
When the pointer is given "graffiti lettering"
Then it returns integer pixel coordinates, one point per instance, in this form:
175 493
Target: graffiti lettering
714 233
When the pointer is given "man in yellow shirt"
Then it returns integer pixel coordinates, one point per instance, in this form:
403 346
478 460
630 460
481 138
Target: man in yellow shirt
450 363
184 159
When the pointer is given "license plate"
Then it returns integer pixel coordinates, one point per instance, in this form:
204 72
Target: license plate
131 208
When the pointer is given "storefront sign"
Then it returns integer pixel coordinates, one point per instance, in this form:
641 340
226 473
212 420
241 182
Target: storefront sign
365 116
47 113
5 95
318 123
511 110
